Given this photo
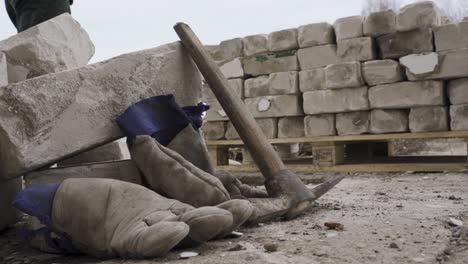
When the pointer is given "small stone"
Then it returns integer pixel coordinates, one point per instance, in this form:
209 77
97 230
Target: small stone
394 245
455 222
334 226
237 247
187 255
270 247
419 259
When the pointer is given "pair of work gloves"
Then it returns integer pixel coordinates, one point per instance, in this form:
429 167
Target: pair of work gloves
184 201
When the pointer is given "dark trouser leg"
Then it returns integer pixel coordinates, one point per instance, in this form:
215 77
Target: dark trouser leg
30 13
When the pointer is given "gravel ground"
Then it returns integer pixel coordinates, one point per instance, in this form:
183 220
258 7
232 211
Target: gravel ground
387 218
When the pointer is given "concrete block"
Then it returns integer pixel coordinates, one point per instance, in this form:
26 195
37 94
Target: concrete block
3 70
275 106
56 45
124 170
214 51
348 27
255 44
214 130
73 111
283 40
420 64
407 95
382 72
388 121
271 62
232 69
335 101
380 23
312 80
459 117
280 83
269 126
317 57
353 123
429 119
108 152
458 91
344 75
315 35
451 36
424 14
320 125
396 45
231 49
216 112
291 127
8 191
452 65
356 49
237 85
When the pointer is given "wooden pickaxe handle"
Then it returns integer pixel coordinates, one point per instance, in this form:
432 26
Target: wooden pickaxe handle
261 150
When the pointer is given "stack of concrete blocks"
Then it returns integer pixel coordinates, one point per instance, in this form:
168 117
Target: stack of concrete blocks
389 72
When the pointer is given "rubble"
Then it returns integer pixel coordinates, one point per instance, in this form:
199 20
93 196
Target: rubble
280 83
311 80
315 35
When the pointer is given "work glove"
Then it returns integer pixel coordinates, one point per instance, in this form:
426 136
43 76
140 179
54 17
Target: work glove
108 218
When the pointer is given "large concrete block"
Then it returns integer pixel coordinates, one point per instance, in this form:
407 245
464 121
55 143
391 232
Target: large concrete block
356 49
380 23
56 45
354 123
315 35
291 127
8 191
3 70
214 130
275 106
344 75
237 86
231 49
348 27
312 80
216 112
73 111
418 15
108 152
451 36
232 69
407 95
396 45
335 101
255 44
269 126
452 65
429 119
317 57
283 40
320 125
382 72
388 121
280 83
271 62
458 91
459 117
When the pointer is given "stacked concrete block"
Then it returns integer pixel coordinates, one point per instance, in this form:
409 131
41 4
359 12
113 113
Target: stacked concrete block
3 70
214 52
348 27
451 65
382 72
216 112
418 15
344 75
315 35
282 83
336 101
384 121
420 64
231 49
429 119
56 45
396 45
283 40
320 125
458 91
269 126
312 80
214 130
380 23
405 95
232 69
352 123
291 127
317 57
255 44
237 86
451 36
270 62
275 106
459 117
356 49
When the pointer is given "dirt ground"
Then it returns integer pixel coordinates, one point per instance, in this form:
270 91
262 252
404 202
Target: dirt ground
387 218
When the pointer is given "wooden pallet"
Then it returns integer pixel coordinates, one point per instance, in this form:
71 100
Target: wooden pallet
329 154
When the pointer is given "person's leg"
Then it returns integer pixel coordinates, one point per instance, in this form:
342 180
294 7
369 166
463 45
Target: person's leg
11 12
30 13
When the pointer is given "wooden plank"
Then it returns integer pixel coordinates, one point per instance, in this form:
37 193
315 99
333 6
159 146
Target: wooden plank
354 138
361 168
219 155
328 155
